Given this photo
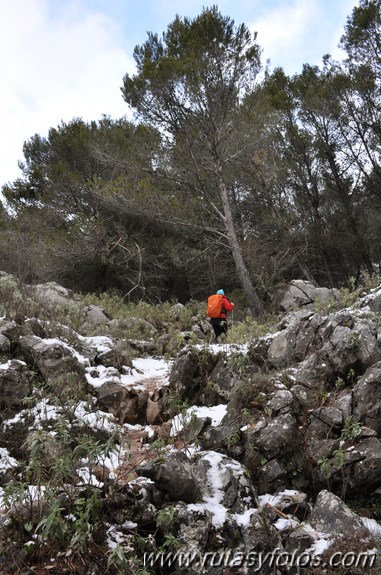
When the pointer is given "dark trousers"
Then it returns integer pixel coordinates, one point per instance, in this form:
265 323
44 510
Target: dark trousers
219 325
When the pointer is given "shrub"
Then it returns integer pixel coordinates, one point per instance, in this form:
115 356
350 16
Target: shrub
157 314
56 507
247 330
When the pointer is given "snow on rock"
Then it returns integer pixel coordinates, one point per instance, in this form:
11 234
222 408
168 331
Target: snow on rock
100 343
145 370
221 474
6 461
216 414
145 373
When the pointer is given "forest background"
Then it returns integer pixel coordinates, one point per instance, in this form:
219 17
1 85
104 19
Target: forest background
228 175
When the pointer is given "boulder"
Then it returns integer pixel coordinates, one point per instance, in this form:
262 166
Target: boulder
367 398
9 329
300 293
190 371
363 466
117 357
52 357
297 338
331 515
175 477
51 293
345 343
322 347
94 316
278 437
133 327
127 405
15 383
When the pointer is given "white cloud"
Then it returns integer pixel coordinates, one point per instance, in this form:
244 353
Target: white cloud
55 69
66 58
295 32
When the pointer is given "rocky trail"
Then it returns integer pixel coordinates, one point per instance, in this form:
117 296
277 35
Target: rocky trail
263 456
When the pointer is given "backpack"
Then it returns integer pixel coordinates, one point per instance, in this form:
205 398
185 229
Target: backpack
214 305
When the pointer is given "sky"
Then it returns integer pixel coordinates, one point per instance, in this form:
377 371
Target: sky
65 59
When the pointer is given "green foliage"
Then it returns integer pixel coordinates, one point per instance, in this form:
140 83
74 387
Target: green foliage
254 388
337 464
232 439
174 341
57 502
12 299
339 383
52 527
183 418
339 457
348 381
118 556
187 54
98 207
158 315
170 543
86 510
323 397
329 305
52 521
56 320
240 363
353 339
325 466
350 295
351 429
369 281
158 447
166 516
351 377
174 404
247 330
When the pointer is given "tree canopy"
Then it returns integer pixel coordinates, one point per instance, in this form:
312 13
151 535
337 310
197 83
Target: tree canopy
228 175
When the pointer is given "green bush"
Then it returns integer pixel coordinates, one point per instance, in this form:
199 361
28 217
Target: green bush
157 314
247 330
53 508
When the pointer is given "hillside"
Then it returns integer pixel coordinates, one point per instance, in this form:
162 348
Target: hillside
132 445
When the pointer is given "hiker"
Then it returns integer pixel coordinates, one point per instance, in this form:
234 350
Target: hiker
218 306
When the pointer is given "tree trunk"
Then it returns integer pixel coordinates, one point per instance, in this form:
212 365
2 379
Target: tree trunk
242 271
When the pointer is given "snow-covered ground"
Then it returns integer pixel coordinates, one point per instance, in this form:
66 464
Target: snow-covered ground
142 373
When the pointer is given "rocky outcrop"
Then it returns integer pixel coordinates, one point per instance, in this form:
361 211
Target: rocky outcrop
15 383
202 376
301 293
321 347
99 364
319 422
331 515
300 432
367 398
51 357
210 493
51 293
